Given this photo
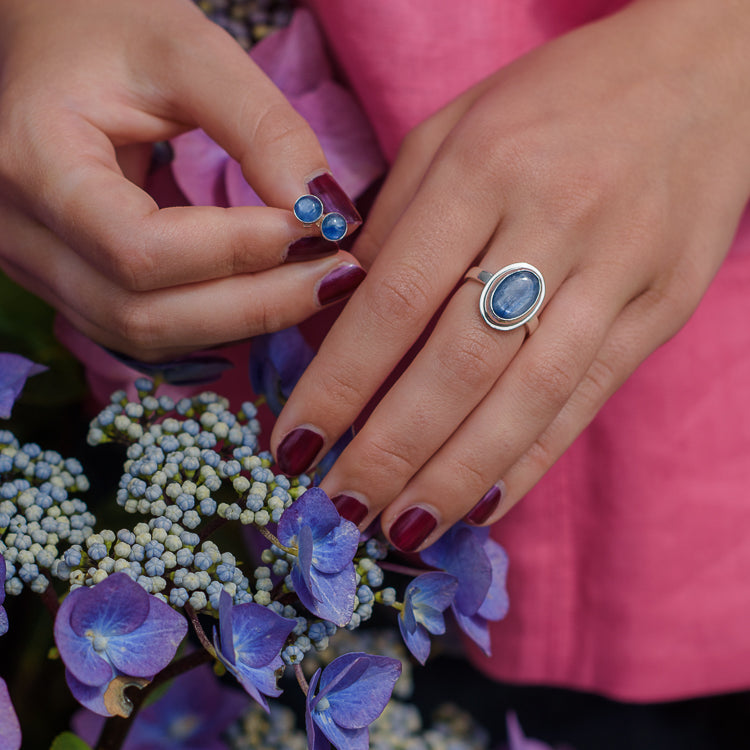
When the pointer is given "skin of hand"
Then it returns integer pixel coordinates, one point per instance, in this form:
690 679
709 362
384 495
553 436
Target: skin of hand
616 159
85 88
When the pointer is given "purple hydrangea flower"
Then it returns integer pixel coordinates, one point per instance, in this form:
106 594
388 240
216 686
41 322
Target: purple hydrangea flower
252 637
3 613
193 713
426 598
10 729
323 573
14 371
480 564
114 628
354 690
277 361
517 740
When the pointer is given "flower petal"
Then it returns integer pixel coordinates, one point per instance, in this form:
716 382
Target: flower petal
336 550
259 634
146 651
340 737
77 652
476 627
496 603
364 684
89 696
14 371
316 740
331 596
10 729
436 590
113 607
417 641
314 509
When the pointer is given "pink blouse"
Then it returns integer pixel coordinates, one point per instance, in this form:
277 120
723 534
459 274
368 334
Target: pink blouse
630 561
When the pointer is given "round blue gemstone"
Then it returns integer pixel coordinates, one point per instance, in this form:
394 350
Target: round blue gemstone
515 295
308 209
333 227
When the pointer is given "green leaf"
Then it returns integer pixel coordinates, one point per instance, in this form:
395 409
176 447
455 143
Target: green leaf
68 741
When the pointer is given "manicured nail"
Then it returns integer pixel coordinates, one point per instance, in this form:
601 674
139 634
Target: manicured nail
339 283
411 528
350 508
298 450
486 506
335 200
310 248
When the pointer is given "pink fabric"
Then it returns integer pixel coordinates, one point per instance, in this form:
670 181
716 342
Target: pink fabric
630 562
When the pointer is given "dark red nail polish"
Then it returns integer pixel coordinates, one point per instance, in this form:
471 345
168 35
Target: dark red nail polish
486 506
298 450
334 198
310 248
350 508
339 284
411 528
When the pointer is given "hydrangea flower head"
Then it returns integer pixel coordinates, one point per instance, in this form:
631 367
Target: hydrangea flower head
249 645
427 597
193 713
352 692
480 564
14 371
323 573
111 629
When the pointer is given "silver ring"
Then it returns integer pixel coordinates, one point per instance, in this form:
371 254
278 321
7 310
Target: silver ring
511 297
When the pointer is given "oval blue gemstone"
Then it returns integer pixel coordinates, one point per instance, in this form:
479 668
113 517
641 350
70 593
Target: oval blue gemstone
308 209
333 227
515 295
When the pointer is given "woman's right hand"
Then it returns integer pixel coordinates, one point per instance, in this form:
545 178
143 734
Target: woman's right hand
85 88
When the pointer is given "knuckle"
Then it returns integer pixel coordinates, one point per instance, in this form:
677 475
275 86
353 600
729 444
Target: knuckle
130 259
276 128
137 325
465 361
382 456
469 472
550 381
399 298
343 388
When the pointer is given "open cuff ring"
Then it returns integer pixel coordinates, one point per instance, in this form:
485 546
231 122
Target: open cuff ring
511 297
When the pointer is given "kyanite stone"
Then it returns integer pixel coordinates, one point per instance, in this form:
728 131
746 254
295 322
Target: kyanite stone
308 209
333 227
515 295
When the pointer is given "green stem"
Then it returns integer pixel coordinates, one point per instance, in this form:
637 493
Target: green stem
271 538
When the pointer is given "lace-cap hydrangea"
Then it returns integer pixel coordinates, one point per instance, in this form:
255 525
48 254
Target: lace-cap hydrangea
480 564
323 572
249 645
354 690
426 598
14 371
110 630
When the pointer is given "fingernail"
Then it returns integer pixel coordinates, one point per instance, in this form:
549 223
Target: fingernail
325 187
339 283
298 450
310 248
486 506
350 508
411 528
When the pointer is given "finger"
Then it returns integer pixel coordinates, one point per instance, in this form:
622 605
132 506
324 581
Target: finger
164 323
524 401
122 232
427 252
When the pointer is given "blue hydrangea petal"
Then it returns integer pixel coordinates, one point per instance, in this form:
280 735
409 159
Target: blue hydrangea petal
316 740
363 687
10 729
14 371
340 737
496 603
331 596
89 696
113 607
431 619
146 651
77 652
260 681
225 627
337 549
417 641
305 555
259 634
475 627
314 509
436 590
461 553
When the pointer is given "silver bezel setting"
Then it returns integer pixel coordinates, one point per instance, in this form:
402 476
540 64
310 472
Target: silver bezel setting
491 283
319 202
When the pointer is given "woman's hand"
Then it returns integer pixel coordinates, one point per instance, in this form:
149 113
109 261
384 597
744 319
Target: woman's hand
85 88
616 160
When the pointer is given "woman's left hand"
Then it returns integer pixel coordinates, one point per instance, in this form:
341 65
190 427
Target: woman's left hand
616 160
